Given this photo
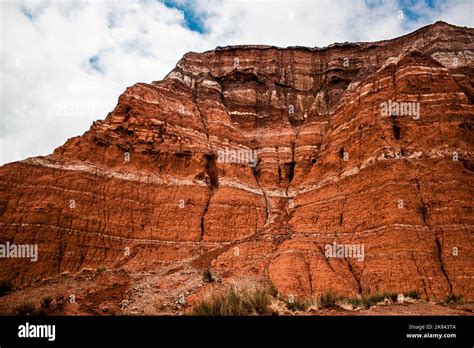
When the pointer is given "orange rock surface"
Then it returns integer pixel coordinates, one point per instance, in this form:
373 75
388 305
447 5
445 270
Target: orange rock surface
167 178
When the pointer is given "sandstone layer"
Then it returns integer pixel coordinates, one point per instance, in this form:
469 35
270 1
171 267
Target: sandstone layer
166 181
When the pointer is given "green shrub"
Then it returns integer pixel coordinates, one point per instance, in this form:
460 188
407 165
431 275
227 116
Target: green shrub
393 296
6 286
247 301
452 298
207 276
412 294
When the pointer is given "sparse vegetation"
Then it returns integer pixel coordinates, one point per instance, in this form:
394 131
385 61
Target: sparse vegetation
207 276
452 298
6 286
25 308
273 291
59 302
48 305
267 301
247 301
412 294
368 301
328 300
297 305
46 302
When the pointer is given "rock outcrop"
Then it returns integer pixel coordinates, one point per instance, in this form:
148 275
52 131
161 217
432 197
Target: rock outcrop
263 162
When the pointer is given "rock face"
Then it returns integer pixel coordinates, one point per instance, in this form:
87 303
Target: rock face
263 162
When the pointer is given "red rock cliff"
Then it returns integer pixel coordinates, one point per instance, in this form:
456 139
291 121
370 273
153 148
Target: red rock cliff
318 160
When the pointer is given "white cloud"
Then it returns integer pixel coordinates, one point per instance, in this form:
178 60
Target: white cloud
50 91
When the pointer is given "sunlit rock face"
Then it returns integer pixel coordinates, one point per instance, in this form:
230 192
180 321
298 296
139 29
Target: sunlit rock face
345 168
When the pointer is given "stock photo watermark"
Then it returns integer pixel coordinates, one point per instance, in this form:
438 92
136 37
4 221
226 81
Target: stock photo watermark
344 251
237 156
399 108
25 251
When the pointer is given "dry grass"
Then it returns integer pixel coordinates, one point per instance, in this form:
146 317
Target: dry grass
370 300
25 308
246 301
328 300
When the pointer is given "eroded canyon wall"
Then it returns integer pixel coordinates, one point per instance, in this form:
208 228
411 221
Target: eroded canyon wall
168 176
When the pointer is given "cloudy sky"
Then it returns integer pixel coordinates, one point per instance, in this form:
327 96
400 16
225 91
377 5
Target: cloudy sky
65 63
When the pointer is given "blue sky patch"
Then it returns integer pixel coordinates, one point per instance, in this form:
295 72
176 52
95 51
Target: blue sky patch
27 13
193 21
94 63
